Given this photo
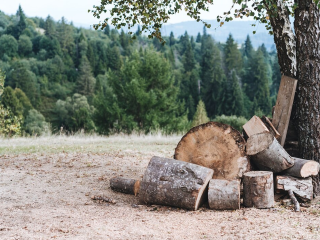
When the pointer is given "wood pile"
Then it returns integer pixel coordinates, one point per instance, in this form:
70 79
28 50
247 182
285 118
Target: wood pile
213 160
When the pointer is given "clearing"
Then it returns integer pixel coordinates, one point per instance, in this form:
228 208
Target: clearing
46 186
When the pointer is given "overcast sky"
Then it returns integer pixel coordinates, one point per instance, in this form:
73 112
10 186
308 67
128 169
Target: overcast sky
77 10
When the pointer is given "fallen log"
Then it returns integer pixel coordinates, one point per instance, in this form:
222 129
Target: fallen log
302 187
258 189
174 183
267 154
217 146
303 168
224 194
294 201
125 185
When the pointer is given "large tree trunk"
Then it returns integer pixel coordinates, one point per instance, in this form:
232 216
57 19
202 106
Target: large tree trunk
307 29
217 146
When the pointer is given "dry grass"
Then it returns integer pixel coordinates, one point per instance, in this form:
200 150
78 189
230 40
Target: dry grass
46 184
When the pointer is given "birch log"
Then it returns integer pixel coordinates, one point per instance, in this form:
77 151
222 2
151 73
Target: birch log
258 189
224 194
174 183
125 185
267 153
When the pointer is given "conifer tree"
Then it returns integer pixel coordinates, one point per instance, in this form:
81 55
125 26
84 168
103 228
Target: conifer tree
198 39
212 77
276 77
21 25
200 116
233 102
85 82
248 48
232 55
172 40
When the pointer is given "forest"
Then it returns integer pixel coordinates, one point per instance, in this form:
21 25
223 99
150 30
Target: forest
58 77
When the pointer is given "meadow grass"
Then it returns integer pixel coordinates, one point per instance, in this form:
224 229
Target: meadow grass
87 143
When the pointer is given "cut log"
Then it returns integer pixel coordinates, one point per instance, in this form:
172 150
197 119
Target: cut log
302 187
268 123
258 189
283 107
294 201
125 185
174 183
254 126
303 168
217 146
224 194
267 153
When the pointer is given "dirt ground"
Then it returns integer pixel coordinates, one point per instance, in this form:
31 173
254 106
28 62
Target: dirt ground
46 186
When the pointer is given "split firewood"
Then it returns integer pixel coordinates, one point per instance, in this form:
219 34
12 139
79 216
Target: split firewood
103 199
174 183
224 194
283 107
294 201
125 185
268 123
303 168
254 126
267 153
258 189
217 146
302 187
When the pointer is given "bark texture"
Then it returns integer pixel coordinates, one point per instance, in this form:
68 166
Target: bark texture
217 146
258 189
267 154
125 185
174 183
284 39
224 194
302 187
307 29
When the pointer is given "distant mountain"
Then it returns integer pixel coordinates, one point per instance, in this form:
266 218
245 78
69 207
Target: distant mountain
238 29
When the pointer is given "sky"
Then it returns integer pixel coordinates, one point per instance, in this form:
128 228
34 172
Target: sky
77 10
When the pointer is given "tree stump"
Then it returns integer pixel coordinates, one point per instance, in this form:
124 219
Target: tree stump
303 168
217 146
174 183
302 187
224 194
258 189
267 153
125 185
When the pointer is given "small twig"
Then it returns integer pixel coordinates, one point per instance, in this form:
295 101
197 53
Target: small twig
294 201
103 199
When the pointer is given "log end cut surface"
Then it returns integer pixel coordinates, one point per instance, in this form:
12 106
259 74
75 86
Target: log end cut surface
258 142
311 168
217 146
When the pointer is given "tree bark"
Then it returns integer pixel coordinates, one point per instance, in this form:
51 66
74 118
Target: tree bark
217 146
125 185
174 183
307 29
267 154
303 168
302 187
224 194
258 189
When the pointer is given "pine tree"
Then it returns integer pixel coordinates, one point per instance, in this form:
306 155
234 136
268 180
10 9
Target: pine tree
198 39
212 77
172 40
233 58
248 48
85 82
22 24
233 104
276 77
200 116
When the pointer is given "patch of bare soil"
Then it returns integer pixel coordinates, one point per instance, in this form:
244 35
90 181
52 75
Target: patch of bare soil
44 196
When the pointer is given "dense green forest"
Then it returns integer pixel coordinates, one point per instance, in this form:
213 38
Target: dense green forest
60 77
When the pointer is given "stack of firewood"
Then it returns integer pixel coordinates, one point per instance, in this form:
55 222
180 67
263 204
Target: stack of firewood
213 160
